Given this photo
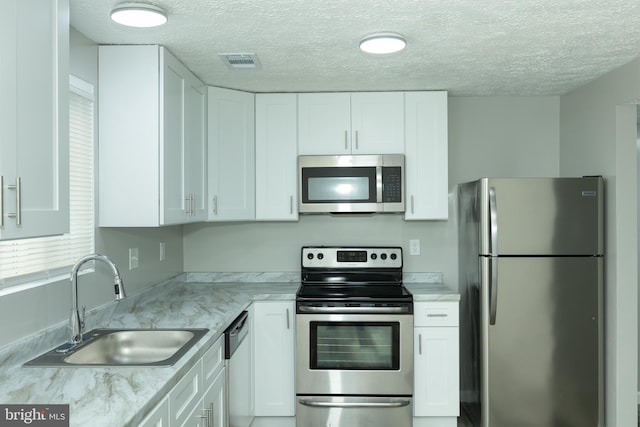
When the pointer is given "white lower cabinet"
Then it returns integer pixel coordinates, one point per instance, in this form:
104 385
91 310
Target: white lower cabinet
436 398
198 399
274 361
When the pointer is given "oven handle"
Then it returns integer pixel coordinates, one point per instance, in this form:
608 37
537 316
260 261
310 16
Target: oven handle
362 404
354 310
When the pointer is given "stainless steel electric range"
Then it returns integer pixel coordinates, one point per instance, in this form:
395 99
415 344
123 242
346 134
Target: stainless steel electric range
354 338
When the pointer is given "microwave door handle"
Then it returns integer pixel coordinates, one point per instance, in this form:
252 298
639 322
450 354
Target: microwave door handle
378 184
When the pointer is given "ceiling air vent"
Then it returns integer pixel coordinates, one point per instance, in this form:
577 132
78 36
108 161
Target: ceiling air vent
240 60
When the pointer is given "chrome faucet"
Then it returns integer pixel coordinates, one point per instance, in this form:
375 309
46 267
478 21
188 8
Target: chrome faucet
77 322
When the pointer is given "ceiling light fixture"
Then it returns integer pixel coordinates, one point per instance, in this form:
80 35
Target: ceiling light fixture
141 15
381 43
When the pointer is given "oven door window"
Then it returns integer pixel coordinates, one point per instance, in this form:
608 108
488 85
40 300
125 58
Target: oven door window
355 345
339 184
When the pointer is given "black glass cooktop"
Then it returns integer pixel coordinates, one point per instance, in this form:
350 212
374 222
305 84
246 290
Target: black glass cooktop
351 292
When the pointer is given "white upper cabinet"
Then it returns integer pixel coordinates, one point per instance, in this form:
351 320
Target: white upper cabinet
196 162
324 123
377 121
351 123
231 155
34 118
426 161
276 157
152 157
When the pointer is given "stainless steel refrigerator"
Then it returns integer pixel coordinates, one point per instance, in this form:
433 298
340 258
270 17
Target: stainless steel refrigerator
531 284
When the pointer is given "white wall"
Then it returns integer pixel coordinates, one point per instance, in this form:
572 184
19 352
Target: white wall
515 136
598 137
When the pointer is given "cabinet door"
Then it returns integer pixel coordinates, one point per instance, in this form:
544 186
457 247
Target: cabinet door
276 157
185 399
273 357
324 123
34 135
173 200
158 417
215 402
231 126
196 150
436 377
377 120
426 161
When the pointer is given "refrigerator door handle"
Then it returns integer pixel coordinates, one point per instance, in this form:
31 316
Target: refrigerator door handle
493 222
493 290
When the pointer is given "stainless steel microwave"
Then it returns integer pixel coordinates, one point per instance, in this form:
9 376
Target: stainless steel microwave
351 184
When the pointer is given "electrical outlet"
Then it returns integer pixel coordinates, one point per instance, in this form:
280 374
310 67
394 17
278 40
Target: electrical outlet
162 251
133 258
414 247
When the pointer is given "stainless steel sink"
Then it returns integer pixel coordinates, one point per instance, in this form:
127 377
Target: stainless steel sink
124 347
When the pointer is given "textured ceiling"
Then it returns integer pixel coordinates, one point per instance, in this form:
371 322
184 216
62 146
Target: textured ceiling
469 47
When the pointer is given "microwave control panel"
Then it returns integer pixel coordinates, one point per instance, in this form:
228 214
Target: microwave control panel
391 184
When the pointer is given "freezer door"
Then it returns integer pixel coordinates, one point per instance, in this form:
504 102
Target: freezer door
541 354
541 216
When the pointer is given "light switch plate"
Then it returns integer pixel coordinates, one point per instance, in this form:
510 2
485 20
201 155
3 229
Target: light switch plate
414 247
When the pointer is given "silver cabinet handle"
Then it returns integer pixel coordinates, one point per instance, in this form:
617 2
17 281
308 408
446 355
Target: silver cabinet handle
346 140
412 205
215 205
291 205
18 214
1 201
419 343
437 315
187 203
357 140
211 415
288 326
205 417
362 404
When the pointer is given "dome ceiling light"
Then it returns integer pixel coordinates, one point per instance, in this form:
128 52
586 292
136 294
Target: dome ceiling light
140 15
383 43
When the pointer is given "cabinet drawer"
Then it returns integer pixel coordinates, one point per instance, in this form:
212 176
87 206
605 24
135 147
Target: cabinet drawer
213 361
186 395
435 314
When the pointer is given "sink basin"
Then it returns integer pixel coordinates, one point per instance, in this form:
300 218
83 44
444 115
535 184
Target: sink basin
124 347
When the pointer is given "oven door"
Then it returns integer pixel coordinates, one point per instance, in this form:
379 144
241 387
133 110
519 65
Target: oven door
354 354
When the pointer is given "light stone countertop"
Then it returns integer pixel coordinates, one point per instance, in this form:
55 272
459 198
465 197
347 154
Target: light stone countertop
121 396
431 292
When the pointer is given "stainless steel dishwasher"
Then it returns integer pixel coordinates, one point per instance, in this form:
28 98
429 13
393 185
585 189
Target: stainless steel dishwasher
237 339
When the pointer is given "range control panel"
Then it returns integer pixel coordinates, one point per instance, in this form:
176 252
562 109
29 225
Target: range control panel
350 257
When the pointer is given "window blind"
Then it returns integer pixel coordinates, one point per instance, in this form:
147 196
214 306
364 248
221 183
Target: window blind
42 258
